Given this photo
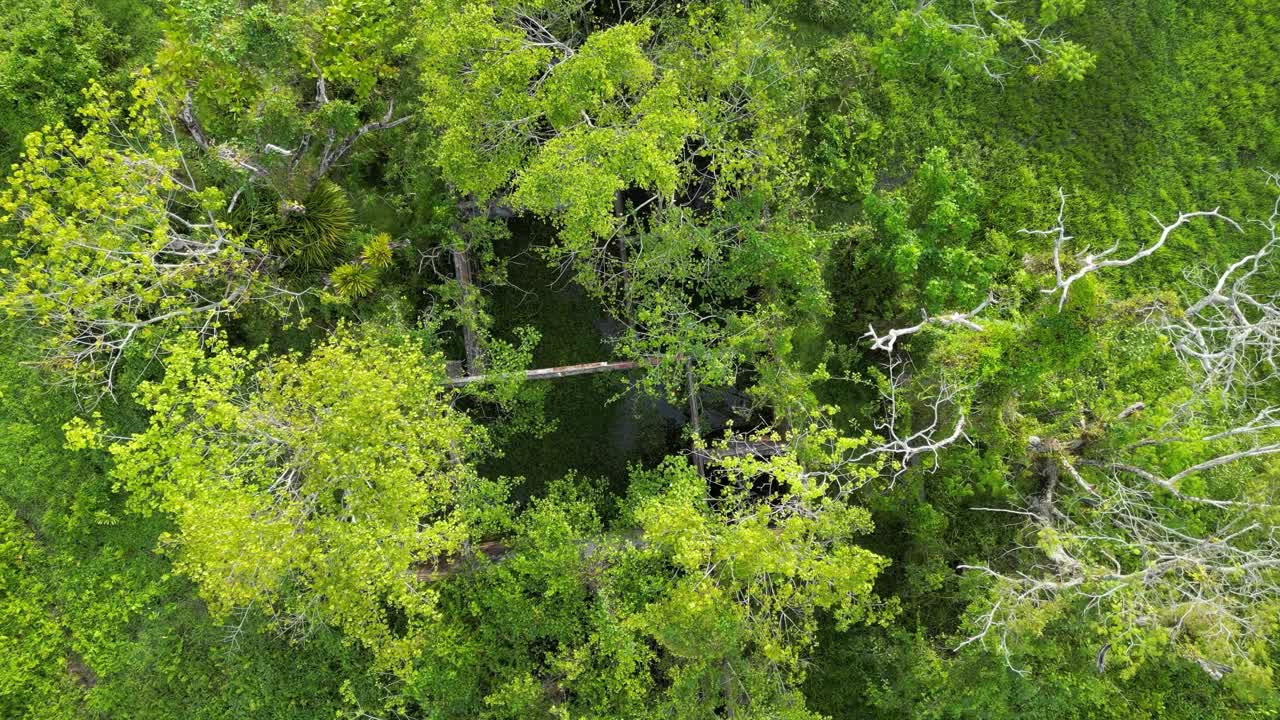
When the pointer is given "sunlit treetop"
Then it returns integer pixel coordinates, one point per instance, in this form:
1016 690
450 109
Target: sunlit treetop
310 488
111 243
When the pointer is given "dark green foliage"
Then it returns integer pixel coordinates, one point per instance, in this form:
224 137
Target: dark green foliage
311 230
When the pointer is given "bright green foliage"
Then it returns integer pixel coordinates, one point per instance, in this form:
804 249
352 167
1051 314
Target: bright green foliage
282 95
109 241
980 40
353 280
37 71
310 488
752 575
112 630
51 49
359 278
690 605
670 138
377 251
356 41
921 246
33 679
1039 512
691 307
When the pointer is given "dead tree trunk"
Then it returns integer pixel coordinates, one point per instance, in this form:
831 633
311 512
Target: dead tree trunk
695 411
468 309
497 551
619 209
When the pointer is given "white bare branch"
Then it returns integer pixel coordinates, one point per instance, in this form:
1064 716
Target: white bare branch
888 340
1089 262
1123 550
1232 332
130 272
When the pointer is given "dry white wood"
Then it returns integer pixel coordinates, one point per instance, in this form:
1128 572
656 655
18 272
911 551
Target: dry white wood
1089 262
553 373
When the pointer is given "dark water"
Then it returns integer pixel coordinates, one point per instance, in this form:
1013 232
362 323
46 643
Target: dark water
601 423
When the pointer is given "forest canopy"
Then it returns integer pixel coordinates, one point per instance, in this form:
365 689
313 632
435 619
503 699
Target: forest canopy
516 359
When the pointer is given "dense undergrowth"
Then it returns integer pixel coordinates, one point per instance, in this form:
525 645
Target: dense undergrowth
578 563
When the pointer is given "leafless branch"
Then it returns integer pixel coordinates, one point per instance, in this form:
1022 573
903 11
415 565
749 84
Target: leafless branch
888 340
1088 262
1233 331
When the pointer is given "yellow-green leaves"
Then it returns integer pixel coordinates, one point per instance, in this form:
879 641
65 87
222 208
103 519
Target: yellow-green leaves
754 560
110 241
309 487
357 41
991 46
353 280
583 87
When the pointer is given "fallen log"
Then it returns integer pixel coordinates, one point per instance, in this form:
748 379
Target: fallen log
742 448
554 373
444 567
497 551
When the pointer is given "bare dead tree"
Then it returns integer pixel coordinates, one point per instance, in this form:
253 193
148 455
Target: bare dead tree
943 425
1232 332
1212 593
156 262
1191 552
1126 546
260 165
1088 262
889 339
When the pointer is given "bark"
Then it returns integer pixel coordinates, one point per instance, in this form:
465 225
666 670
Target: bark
619 210
495 550
498 550
695 411
467 305
187 116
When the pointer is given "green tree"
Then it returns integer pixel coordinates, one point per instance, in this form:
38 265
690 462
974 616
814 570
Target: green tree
279 96
311 489
662 145
51 50
698 600
982 39
111 243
